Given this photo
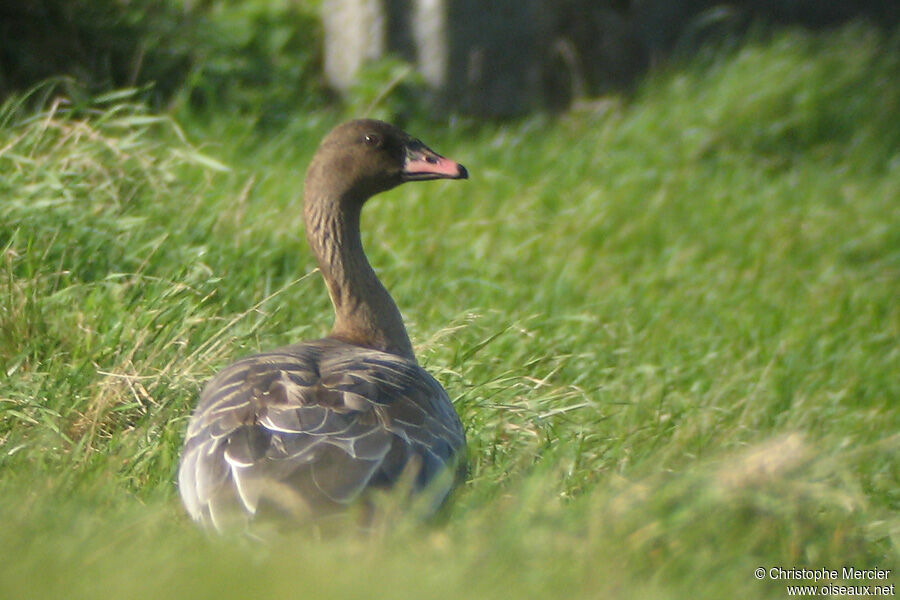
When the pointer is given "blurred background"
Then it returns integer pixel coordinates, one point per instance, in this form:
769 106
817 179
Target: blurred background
272 57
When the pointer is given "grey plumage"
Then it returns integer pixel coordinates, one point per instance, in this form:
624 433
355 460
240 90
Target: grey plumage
308 427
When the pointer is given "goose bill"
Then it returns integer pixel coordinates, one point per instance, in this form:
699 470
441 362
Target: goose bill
422 163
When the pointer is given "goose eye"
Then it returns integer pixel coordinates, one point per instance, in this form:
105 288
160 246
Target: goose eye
373 140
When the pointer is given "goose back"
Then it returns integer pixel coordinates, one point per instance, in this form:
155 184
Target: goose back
305 430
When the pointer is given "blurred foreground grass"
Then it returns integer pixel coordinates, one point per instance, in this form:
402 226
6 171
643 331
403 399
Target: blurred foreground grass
670 326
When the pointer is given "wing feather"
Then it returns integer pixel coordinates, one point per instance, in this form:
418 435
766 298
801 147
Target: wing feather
311 427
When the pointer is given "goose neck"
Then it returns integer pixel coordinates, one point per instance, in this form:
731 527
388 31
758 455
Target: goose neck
365 313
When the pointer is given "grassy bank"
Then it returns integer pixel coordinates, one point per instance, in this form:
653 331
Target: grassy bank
670 326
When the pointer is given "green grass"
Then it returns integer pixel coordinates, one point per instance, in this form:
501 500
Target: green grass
670 325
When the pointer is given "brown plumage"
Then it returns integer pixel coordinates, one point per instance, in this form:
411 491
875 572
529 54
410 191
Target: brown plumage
308 429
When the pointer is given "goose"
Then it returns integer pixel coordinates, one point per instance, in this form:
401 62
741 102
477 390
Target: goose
310 429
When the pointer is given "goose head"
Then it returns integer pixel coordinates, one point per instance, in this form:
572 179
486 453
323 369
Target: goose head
364 157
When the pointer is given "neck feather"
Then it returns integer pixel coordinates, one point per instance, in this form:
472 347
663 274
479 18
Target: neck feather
365 313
